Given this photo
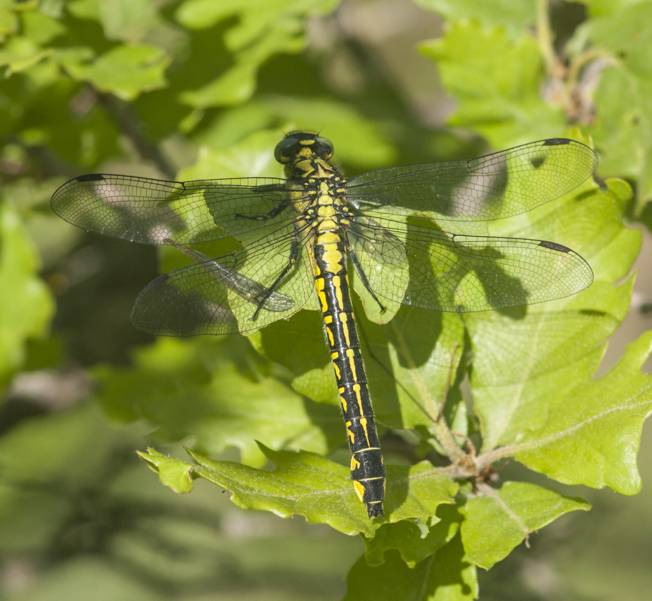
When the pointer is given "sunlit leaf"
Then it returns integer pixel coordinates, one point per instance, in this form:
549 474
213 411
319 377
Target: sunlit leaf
623 124
497 521
513 15
321 491
264 28
125 71
173 473
498 93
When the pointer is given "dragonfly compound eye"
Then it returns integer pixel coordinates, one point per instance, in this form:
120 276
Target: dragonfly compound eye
323 148
286 149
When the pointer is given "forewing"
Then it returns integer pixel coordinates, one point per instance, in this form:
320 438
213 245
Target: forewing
154 211
447 272
221 296
494 186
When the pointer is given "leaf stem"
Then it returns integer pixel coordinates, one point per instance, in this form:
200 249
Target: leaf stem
544 36
440 429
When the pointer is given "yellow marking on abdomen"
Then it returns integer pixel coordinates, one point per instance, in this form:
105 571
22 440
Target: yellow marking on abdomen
363 423
350 353
332 259
321 294
338 291
344 320
334 356
359 490
358 398
355 464
349 433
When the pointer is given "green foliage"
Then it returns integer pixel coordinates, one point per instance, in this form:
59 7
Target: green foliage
220 393
265 28
25 305
625 132
513 16
498 92
498 521
314 487
201 89
444 576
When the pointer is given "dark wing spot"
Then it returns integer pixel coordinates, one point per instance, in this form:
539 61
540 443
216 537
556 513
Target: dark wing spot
90 177
554 246
536 162
556 141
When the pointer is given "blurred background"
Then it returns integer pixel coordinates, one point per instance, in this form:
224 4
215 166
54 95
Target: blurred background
155 87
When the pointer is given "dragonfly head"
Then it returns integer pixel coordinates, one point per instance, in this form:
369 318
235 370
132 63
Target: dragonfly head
305 144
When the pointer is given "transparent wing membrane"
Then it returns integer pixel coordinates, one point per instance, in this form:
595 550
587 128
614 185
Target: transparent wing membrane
494 186
150 211
228 294
446 272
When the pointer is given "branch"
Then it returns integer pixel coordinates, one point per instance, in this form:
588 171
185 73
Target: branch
129 125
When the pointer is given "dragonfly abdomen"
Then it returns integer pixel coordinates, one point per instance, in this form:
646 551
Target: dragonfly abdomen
367 469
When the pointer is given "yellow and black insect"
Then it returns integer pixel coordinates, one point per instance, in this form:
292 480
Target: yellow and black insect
303 233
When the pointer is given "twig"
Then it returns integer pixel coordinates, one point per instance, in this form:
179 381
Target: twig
131 128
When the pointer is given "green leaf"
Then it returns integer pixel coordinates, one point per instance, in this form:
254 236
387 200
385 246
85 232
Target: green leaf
174 473
19 54
599 8
312 371
320 490
126 71
412 363
128 20
40 28
592 431
445 576
8 22
515 16
413 540
623 98
498 93
217 392
496 521
264 28
252 156
25 303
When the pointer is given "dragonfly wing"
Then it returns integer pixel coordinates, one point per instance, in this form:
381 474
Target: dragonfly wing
153 211
494 186
448 272
221 296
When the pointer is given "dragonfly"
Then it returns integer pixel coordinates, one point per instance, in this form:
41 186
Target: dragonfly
296 240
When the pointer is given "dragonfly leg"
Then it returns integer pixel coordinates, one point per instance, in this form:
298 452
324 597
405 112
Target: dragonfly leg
277 210
364 279
294 255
